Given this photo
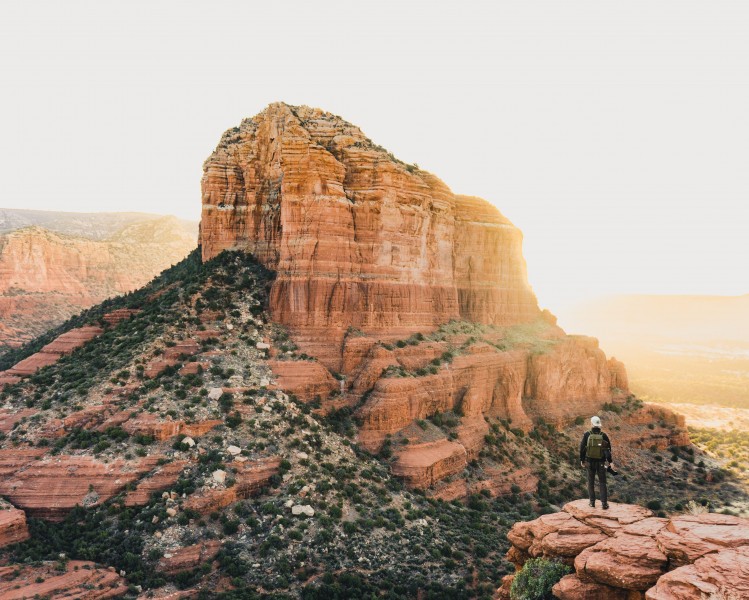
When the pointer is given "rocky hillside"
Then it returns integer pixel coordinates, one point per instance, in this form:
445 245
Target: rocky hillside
52 265
152 437
92 226
275 417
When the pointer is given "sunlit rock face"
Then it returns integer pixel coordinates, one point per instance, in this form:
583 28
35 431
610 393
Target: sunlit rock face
357 238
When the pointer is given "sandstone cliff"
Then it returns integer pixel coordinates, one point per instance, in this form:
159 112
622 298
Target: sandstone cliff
47 275
357 238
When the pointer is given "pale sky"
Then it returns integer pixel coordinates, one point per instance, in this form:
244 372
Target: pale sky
614 134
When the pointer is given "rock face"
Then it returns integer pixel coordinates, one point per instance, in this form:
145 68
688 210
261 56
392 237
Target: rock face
626 552
48 275
425 464
357 239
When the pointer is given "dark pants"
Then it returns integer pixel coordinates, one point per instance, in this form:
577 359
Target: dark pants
596 467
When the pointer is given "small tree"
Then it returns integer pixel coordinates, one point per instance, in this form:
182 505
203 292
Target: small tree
535 580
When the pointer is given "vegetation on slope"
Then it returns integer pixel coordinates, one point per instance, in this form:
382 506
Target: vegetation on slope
368 536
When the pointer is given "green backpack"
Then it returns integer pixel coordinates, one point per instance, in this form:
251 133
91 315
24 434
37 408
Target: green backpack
594 449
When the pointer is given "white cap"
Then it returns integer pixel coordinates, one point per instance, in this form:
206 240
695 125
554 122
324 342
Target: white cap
595 421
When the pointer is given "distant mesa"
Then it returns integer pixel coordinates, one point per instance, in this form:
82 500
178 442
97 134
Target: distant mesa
54 264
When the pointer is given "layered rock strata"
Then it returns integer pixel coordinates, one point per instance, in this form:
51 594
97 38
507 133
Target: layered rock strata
50 487
357 238
81 580
571 378
63 344
627 553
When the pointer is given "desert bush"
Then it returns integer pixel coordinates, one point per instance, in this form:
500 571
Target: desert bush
535 580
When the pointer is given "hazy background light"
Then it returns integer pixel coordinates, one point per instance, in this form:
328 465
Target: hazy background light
615 135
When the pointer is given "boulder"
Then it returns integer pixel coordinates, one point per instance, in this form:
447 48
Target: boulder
571 587
303 509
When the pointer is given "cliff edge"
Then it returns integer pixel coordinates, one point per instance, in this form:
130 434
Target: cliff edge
627 553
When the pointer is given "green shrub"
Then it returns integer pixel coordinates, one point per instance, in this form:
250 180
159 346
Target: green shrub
535 580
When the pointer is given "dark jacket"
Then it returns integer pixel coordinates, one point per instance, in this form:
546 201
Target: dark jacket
606 445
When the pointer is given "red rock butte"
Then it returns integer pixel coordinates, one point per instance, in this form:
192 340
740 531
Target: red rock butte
368 250
357 238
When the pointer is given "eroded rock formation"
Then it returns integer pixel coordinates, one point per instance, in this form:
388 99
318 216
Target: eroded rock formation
52 486
626 552
189 557
13 527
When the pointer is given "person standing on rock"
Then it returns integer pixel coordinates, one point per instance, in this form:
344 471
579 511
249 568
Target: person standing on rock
595 455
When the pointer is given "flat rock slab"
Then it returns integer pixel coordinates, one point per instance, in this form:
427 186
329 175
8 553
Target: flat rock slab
631 562
689 537
725 572
609 521
82 581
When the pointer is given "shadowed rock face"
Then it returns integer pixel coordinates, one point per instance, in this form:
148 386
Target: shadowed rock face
13 527
357 238
626 551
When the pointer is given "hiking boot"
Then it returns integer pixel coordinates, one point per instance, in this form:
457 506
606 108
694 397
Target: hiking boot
592 504
605 506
